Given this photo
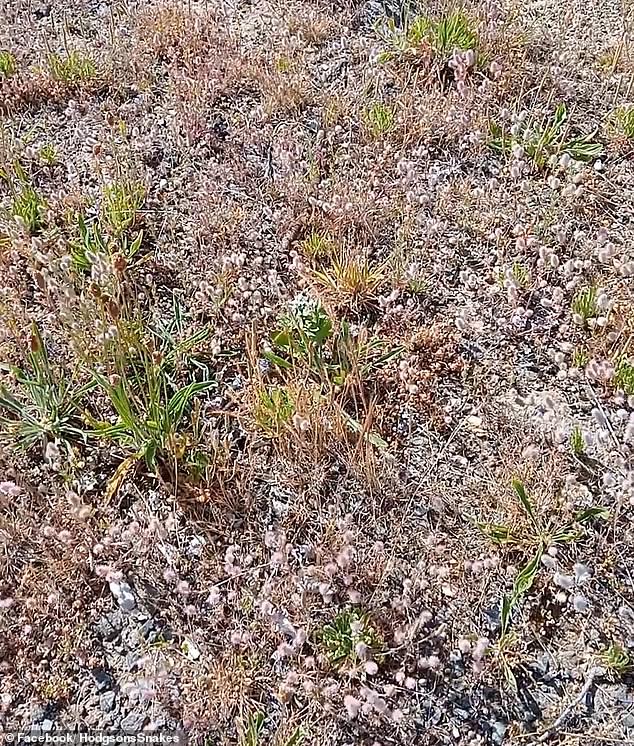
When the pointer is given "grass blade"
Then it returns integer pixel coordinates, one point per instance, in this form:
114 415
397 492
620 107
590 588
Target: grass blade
520 490
526 576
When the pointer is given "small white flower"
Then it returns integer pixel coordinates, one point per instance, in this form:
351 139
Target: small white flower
563 581
464 646
580 603
582 573
352 705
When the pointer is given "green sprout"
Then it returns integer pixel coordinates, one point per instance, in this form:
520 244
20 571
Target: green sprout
379 118
8 65
342 635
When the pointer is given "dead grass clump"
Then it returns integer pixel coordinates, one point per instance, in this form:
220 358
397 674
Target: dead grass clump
284 84
313 27
175 34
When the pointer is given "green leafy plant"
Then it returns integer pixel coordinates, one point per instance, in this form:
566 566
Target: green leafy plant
379 119
577 444
47 407
150 410
395 39
296 738
8 65
177 346
250 729
536 535
624 375
274 410
340 637
622 121
48 154
617 659
122 201
302 337
91 244
308 340
542 141
584 304
71 69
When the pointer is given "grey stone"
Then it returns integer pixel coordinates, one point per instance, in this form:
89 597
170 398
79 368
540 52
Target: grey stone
492 617
108 628
148 630
123 594
628 720
37 713
499 731
103 680
46 726
622 694
107 701
134 721
132 660
396 10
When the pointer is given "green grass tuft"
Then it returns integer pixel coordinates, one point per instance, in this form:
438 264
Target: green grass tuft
28 206
622 120
454 31
71 69
150 408
584 304
8 65
379 119
624 376
46 407
122 201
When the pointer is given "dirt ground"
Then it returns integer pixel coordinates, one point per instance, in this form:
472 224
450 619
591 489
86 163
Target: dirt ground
317 370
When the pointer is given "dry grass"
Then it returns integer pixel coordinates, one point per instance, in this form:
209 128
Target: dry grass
326 286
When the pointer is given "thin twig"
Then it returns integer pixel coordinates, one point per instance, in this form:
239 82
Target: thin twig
592 675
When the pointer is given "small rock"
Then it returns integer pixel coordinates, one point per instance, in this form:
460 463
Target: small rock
132 660
628 720
37 713
148 631
123 593
492 617
107 701
46 726
499 731
103 679
134 721
109 626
